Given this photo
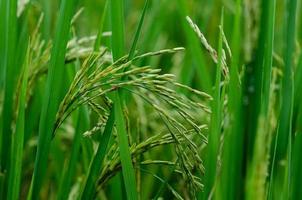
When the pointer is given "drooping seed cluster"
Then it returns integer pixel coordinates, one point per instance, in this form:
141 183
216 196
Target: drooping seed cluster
96 79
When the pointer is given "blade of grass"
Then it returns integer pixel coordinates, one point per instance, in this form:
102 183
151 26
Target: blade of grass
2 43
138 31
254 80
98 40
194 49
298 83
2 79
10 73
153 28
46 6
18 139
257 171
267 60
233 139
127 166
52 93
118 51
215 125
96 164
283 141
296 174
82 126
9 23
87 149
298 70
14 171
117 23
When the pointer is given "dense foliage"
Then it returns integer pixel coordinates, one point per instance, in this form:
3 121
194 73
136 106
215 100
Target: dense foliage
128 99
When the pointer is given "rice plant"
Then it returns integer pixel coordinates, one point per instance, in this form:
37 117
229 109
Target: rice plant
124 99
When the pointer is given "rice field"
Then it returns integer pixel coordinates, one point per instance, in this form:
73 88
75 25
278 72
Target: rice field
150 99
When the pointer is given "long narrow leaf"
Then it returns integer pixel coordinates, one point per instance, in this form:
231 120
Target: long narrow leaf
82 126
9 25
118 50
9 69
52 94
194 48
98 40
259 164
215 126
138 31
233 138
284 133
96 164
18 139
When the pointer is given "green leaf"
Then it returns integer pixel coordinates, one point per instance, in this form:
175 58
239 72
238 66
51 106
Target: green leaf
9 27
51 98
233 137
96 164
283 143
98 40
215 124
256 175
118 50
82 126
138 31
124 150
195 51
18 138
